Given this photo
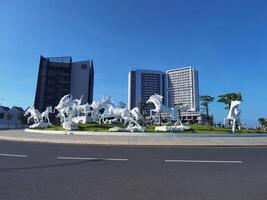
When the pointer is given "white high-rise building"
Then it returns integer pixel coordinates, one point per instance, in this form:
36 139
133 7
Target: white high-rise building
183 88
177 86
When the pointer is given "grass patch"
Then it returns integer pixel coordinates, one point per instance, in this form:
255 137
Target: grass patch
95 127
151 129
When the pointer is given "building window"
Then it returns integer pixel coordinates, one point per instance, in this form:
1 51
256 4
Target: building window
1 115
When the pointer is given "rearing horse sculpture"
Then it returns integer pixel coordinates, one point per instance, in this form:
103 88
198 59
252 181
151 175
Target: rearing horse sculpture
156 99
234 114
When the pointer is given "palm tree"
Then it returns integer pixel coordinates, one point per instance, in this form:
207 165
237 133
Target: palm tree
205 101
262 122
227 98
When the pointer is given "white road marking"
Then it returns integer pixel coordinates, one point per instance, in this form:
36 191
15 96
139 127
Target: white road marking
206 161
83 158
13 155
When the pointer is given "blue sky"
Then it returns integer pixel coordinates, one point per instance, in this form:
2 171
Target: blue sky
224 40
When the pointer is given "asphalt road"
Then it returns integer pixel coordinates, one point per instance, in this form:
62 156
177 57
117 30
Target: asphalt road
34 171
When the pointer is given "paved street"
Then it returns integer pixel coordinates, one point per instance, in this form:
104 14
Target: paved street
53 171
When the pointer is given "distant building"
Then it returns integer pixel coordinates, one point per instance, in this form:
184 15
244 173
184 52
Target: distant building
142 84
177 86
59 76
183 88
11 118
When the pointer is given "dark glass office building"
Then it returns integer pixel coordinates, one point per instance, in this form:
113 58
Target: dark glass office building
142 84
59 76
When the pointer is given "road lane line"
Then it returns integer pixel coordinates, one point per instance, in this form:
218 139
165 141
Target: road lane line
13 155
206 161
83 158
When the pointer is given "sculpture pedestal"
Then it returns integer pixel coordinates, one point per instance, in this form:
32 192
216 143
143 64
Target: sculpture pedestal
136 128
128 129
69 126
117 129
41 125
172 128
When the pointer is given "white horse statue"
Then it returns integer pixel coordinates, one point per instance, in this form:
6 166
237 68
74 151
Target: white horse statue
45 114
85 108
130 117
97 106
136 114
65 101
117 113
34 114
67 111
234 114
156 99
38 118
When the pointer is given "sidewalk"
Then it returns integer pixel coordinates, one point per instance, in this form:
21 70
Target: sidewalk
103 138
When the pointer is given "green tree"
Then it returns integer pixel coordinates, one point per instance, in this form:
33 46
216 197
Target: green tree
205 101
262 122
227 98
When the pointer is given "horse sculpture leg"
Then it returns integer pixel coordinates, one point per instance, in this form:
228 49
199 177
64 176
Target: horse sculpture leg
154 117
48 120
28 120
234 124
36 120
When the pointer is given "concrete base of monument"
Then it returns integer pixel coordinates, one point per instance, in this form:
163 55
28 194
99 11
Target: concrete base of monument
172 128
69 126
128 129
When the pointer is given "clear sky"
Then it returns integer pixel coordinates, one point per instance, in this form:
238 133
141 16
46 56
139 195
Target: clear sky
226 41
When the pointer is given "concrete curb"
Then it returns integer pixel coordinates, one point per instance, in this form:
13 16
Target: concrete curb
139 134
142 139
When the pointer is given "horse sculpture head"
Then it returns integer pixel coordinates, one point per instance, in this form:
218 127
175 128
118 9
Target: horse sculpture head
79 101
155 98
63 101
106 101
29 110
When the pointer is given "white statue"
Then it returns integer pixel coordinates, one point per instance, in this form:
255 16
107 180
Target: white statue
113 112
40 120
82 112
130 117
67 111
97 106
160 107
234 115
45 114
34 114
156 99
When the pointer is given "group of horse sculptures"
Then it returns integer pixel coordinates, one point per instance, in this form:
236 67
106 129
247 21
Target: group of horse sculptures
72 112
